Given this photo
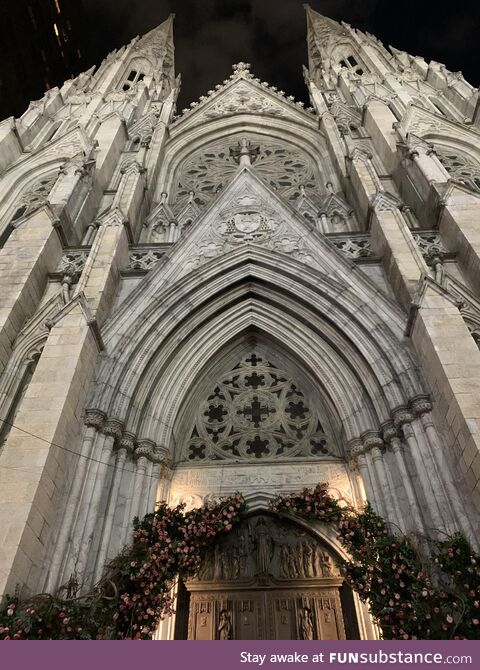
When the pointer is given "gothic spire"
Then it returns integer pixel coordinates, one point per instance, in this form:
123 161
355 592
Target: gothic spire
322 33
157 45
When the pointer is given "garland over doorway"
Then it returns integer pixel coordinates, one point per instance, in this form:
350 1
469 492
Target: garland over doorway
410 595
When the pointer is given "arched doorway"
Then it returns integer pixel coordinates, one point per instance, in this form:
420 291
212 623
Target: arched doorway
268 579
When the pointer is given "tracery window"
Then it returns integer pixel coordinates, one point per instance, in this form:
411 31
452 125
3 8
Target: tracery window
461 169
10 410
133 78
33 197
351 64
207 171
257 412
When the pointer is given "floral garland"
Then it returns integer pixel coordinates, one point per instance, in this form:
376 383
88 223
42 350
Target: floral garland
133 597
411 594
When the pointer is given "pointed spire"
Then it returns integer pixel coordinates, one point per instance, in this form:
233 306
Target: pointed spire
322 33
157 45
158 37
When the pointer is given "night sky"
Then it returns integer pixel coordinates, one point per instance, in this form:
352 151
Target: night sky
211 35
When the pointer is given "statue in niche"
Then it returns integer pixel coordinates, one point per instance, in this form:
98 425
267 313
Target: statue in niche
306 624
225 626
264 546
243 552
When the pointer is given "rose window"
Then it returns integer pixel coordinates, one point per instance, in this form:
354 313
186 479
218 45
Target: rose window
208 170
256 411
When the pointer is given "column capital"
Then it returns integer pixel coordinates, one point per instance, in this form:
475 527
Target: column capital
95 418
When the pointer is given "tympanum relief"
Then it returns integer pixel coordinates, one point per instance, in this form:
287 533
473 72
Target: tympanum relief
267 579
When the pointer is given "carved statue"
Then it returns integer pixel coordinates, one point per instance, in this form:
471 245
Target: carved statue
264 546
323 563
306 624
225 626
284 561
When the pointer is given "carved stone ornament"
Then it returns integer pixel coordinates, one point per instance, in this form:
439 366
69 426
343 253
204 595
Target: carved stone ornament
430 244
208 170
262 548
95 418
256 411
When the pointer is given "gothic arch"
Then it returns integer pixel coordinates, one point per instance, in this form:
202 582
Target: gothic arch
362 364
298 136
22 184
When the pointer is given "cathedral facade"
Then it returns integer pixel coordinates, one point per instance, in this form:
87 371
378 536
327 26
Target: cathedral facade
250 295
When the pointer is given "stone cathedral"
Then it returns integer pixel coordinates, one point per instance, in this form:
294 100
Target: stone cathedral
247 295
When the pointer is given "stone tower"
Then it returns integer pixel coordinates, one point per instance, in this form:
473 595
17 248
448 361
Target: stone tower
248 295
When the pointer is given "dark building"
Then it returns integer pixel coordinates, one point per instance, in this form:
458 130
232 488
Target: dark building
42 43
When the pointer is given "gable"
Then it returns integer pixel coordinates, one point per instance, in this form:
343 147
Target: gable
243 95
249 216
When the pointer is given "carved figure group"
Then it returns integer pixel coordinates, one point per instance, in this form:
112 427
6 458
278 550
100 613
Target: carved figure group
304 560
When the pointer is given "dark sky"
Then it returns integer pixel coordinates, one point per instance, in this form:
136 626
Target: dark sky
211 35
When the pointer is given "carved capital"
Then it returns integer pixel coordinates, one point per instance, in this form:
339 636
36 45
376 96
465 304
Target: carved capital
144 449
113 428
371 441
389 432
354 450
127 442
95 418
421 405
401 416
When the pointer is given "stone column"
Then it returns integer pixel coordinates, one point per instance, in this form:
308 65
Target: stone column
125 447
85 531
375 444
402 419
94 421
422 408
142 456
413 520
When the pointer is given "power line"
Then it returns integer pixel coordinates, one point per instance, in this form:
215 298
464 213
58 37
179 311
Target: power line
70 451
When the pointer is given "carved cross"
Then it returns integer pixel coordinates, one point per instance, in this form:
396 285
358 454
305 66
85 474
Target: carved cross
256 412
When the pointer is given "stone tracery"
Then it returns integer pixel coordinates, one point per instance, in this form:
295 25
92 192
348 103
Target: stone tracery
255 412
208 170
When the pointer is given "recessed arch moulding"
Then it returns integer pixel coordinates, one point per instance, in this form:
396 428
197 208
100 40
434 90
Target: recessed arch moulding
300 141
344 345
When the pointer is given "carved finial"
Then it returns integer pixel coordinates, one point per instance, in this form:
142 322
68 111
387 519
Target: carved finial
191 196
241 67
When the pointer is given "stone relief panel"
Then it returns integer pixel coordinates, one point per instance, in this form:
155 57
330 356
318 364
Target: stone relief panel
254 412
262 547
269 579
196 485
208 170
250 219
